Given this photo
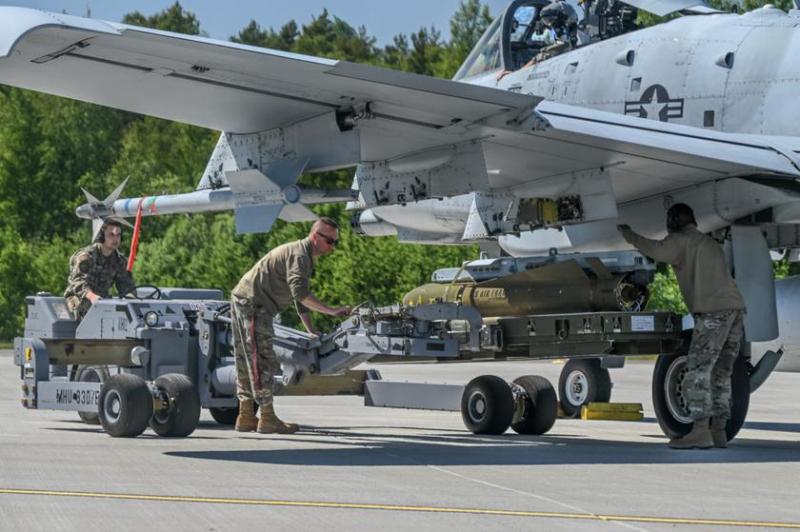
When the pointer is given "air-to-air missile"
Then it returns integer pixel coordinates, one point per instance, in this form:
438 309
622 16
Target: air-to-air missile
520 287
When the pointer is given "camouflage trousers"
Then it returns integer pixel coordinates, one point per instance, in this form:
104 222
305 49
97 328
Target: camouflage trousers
78 306
714 348
256 364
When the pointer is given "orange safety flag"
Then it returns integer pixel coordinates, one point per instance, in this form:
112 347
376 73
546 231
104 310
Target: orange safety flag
137 228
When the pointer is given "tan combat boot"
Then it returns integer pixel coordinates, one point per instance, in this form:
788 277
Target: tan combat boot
269 423
246 421
698 438
718 434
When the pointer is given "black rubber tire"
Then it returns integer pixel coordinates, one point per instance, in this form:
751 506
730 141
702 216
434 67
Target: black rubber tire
125 405
674 427
541 405
225 415
90 374
595 378
180 418
487 406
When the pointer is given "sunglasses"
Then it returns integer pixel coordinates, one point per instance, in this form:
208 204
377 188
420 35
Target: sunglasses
331 241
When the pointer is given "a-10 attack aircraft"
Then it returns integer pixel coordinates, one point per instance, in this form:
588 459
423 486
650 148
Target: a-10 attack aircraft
550 134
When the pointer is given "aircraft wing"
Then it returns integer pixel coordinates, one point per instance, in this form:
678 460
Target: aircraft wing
216 84
414 138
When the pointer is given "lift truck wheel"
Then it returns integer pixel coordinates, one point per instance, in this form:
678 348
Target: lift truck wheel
180 406
583 381
487 405
224 415
90 374
125 405
669 396
539 405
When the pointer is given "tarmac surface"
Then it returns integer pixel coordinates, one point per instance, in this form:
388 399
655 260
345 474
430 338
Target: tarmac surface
357 468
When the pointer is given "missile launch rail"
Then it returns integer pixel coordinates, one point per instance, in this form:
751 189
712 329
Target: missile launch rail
160 359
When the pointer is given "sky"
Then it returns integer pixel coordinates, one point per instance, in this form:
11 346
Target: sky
222 19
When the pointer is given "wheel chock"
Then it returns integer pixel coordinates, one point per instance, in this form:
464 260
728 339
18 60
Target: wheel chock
612 411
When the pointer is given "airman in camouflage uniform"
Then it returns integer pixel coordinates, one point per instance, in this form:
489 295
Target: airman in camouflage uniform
718 308
95 269
280 278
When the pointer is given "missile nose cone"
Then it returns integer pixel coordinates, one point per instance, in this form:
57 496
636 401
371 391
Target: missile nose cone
84 211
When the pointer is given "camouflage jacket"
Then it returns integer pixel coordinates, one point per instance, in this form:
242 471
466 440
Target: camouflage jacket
282 276
90 270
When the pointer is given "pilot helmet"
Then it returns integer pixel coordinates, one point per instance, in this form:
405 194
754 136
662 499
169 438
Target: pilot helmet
558 14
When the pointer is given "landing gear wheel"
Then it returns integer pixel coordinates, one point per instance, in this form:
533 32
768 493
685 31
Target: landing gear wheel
487 406
670 402
125 405
224 415
90 374
583 381
539 405
180 409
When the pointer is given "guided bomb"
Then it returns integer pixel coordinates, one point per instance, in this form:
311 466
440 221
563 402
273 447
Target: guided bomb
549 288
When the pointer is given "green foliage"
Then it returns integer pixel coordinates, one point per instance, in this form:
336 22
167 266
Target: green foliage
749 5
174 18
47 145
665 293
255 35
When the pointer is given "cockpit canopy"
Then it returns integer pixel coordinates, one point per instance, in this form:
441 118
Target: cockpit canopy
510 41
526 27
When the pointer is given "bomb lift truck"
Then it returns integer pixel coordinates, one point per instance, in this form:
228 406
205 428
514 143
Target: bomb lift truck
160 357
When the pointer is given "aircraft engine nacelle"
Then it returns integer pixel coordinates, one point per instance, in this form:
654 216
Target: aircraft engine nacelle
787 293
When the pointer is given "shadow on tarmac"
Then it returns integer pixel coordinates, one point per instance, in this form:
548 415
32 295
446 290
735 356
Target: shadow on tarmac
337 448
146 434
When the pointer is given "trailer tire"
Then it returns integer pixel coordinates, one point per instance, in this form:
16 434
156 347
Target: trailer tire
540 407
224 415
670 402
487 405
125 405
90 374
180 417
583 381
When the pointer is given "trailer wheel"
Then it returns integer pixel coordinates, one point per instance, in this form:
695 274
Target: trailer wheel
487 406
90 374
125 405
224 415
583 381
540 406
669 397
180 406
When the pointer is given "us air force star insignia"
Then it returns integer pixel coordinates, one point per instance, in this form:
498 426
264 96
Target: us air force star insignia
656 104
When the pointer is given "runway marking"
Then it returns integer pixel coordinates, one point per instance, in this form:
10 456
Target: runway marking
404 508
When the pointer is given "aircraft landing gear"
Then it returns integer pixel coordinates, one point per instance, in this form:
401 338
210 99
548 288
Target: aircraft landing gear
669 395
583 381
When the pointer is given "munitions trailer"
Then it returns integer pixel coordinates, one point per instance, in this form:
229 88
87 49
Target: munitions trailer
160 358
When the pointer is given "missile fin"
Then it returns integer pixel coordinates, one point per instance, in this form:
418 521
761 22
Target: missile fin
297 212
89 196
109 201
599 269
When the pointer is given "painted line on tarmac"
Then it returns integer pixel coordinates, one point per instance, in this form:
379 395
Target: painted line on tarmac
404 508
